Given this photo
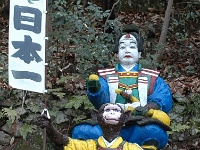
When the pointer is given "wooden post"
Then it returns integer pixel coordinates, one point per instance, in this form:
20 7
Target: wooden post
46 49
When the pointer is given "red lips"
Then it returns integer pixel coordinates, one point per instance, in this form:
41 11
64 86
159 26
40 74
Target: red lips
128 56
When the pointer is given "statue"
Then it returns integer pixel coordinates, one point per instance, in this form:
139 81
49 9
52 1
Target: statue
132 87
110 117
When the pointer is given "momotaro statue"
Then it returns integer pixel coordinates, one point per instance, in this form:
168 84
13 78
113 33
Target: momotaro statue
132 87
111 118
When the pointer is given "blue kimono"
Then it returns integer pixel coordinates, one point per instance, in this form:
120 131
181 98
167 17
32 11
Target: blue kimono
157 91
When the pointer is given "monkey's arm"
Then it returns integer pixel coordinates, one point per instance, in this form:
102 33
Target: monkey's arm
54 135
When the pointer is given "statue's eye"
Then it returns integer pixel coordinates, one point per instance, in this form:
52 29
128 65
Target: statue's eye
107 110
116 110
132 47
122 47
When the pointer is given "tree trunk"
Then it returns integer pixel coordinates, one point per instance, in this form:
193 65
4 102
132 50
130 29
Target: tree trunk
4 8
163 35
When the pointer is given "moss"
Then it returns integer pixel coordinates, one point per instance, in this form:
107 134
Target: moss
33 142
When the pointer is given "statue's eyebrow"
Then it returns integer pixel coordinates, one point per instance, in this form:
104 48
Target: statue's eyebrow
133 42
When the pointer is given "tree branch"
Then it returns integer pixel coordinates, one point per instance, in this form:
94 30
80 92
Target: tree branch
162 40
110 13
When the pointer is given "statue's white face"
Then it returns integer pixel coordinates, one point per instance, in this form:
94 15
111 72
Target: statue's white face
128 50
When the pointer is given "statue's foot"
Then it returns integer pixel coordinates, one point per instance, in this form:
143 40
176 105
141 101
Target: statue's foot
150 145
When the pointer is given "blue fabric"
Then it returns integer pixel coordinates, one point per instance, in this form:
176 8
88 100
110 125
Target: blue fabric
86 131
133 134
161 95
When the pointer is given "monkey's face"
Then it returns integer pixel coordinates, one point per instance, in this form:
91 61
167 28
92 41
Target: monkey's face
111 114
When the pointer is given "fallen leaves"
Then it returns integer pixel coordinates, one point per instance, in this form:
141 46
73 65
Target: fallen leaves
185 85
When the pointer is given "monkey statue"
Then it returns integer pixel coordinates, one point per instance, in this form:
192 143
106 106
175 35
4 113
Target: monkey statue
110 117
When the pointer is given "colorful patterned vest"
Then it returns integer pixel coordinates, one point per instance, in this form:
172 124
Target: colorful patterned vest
139 84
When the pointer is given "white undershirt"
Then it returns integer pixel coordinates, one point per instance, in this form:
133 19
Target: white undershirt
109 144
128 67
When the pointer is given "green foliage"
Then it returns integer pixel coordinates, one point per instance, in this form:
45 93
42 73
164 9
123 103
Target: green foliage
186 22
78 103
25 130
63 86
185 116
141 5
10 113
58 92
192 106
149 61
3 66
178 127
33 108
1 115
192 113
81 32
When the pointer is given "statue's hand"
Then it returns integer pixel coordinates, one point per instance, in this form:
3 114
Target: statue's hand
92 83
43 121
144 110
141 110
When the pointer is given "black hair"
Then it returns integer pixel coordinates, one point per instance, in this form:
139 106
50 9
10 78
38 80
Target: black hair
133 30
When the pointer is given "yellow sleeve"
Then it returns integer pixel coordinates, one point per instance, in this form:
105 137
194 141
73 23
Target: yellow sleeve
131 146
160 115
80 145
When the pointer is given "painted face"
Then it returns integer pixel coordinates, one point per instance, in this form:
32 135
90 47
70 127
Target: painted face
112 113
128 50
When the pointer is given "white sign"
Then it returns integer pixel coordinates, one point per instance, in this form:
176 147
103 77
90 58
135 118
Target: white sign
27 27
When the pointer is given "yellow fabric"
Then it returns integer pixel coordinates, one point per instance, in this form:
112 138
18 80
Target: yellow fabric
80 145
128 74
131 146
118 91
130 108
91 144
134 99
159 115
